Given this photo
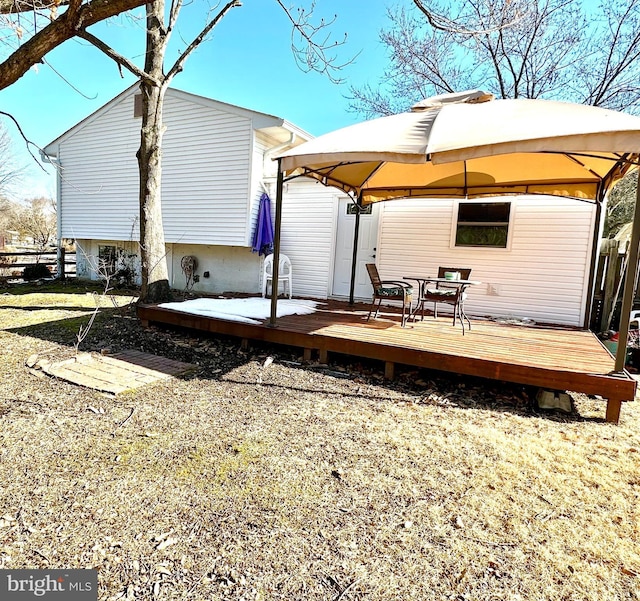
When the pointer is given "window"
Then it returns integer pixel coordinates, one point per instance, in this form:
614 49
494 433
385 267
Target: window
483 224
107 260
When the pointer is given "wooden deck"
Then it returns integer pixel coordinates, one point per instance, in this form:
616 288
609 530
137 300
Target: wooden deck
551 358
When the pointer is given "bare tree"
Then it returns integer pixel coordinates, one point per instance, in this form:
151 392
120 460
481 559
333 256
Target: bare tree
560 49
11 171
311 49
33 218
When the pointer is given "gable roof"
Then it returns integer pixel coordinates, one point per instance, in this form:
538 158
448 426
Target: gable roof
276 127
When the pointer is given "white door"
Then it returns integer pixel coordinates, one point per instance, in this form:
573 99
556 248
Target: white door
367 243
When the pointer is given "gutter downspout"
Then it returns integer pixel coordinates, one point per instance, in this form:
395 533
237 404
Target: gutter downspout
629 287
292 138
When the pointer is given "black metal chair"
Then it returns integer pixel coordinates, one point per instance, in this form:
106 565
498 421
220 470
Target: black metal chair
450 294
389 290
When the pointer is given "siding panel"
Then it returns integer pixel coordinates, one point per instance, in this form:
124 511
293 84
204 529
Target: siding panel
205 179
542 275
308 224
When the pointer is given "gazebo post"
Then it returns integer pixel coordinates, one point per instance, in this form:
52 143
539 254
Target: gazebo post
354 257
276 247
629 287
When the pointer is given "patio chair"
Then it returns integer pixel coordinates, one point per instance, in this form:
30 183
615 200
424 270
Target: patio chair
450 294
285 275
389 290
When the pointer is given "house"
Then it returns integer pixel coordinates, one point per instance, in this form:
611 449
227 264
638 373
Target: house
217 161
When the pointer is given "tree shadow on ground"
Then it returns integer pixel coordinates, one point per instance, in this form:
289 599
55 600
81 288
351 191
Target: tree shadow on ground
118 329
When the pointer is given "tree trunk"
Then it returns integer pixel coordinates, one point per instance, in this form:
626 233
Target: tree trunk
155 279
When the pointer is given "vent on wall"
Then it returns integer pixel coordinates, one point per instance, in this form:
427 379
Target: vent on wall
137 106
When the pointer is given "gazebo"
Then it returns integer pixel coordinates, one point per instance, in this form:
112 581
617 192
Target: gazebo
468 145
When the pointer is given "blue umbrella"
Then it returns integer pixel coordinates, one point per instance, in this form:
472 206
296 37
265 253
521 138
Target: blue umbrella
263 235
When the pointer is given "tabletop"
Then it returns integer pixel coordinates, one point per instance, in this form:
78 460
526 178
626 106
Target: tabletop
425 278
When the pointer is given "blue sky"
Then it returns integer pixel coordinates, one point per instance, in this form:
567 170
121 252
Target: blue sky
247 61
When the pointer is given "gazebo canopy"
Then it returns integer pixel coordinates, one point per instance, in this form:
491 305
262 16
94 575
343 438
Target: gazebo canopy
468 145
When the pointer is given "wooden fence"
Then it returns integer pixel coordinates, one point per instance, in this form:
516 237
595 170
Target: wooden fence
609 280
63 261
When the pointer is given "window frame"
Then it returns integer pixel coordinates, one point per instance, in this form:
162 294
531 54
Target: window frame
107 263
509 224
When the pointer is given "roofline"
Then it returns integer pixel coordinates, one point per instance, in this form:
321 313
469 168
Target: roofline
260 120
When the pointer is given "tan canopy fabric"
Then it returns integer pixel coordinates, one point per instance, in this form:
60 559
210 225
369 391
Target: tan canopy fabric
469 145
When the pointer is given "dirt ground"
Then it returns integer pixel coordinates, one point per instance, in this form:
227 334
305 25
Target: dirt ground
257 477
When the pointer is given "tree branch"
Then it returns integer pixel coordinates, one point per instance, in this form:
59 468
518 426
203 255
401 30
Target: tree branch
11 7
63 28
28 142
176 5
314 56
442 23
177 66
118 58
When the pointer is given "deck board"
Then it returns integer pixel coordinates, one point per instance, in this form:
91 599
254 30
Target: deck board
549 357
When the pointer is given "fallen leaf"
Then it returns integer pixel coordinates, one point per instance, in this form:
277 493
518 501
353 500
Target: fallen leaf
161 546
6 521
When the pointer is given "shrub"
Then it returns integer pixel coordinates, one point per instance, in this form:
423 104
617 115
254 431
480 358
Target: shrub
36 271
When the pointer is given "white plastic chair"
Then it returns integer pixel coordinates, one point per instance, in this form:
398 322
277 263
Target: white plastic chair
285 275
635 318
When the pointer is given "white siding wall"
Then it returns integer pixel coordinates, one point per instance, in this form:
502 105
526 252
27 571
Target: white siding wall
542 276
99 178
206 180
260 146
231 268
205 175
308 227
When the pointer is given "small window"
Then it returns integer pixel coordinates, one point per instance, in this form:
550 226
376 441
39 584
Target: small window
106 260
137 106
483 224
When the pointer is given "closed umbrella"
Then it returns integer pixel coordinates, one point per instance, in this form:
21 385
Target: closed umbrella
263 235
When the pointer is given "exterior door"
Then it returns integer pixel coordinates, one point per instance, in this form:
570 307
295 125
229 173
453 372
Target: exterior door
367 244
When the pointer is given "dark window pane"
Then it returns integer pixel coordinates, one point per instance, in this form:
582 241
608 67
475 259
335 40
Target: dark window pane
484 212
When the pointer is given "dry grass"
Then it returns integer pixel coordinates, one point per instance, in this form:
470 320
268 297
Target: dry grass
292 482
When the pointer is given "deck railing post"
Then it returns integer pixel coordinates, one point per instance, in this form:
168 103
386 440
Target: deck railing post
62 257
